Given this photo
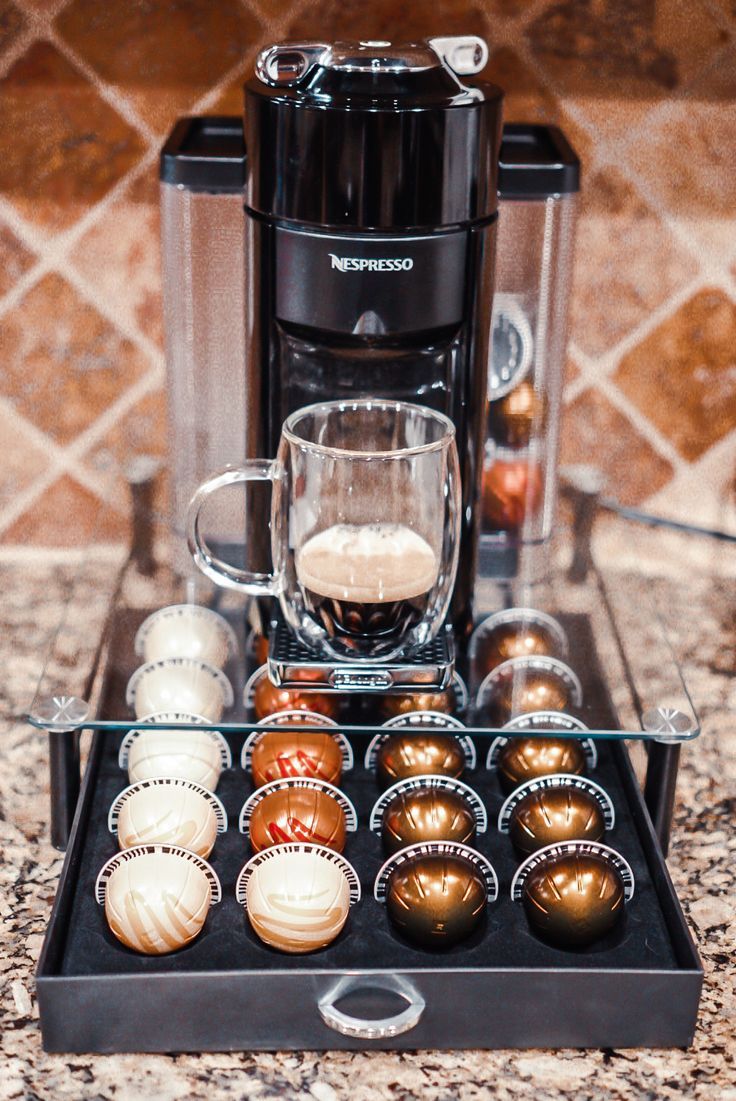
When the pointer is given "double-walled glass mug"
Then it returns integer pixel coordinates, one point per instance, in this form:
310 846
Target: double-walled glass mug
365 527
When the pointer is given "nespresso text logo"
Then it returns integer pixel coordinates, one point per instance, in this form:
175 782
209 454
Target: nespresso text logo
363 263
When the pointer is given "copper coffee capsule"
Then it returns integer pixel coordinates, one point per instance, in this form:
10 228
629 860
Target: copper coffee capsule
436 893
268 699
515 633
522 759
574 893
523 685
298 813
512 490
553 809
419 753
281 753
427 808
514 417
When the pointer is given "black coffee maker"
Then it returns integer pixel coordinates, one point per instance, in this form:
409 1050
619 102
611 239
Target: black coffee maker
371 206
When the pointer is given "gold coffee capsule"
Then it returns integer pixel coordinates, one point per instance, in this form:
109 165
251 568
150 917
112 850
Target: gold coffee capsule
436 893
523 685
515 633
562 807
416 752
522 759
574 893
514 418
427 808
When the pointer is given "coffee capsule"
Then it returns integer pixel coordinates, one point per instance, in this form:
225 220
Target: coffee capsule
186 631
196 755
427 808
436 892
156 897
515 633
522 759
167 810
265 698
516 417
512 490
299 809
561 807
417 752
574 892
453 699
521 685
179 684
298 896
280 754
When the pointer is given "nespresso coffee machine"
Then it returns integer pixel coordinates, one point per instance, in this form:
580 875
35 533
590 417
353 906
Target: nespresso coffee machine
370 176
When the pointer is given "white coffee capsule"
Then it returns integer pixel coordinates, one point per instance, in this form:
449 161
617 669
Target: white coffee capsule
196 755
179 684
168 810
156 897
297 896
186 631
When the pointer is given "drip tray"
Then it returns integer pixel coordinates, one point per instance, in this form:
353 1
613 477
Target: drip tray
290 664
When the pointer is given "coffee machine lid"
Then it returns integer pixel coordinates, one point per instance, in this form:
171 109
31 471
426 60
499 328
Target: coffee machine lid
375 73
205 154
536 162
373 134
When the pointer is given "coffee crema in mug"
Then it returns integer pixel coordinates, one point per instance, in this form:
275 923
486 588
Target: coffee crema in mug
367 581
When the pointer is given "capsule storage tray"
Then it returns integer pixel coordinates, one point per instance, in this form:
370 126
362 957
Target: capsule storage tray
501 988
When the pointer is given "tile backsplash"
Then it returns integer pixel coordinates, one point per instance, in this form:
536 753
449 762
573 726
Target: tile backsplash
644 89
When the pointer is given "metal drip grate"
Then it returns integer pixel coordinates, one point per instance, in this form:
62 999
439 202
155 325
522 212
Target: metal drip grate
290 665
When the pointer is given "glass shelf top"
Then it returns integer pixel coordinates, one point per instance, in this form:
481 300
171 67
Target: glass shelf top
614 666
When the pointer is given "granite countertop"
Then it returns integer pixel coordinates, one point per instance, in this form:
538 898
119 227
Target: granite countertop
702 863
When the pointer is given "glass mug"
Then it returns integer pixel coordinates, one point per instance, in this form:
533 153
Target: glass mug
365 527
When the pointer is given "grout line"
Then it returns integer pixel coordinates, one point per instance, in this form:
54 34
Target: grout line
574 389
31 553
147 384
606 363
111 93
643 426
15 50
68 459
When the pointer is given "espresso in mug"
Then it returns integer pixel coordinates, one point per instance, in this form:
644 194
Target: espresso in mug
367 581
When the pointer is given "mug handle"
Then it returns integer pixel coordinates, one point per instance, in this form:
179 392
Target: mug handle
219 571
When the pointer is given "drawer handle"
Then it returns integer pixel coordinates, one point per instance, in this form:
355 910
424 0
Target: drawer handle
372 1029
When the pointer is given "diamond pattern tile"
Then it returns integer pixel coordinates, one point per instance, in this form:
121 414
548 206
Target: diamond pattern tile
696 140
22 459
595 432
67 515
617 58
164 56
68 146
612 297
327 20
12 22
63 363
683 375
120 256
142 431
15 259
597 68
